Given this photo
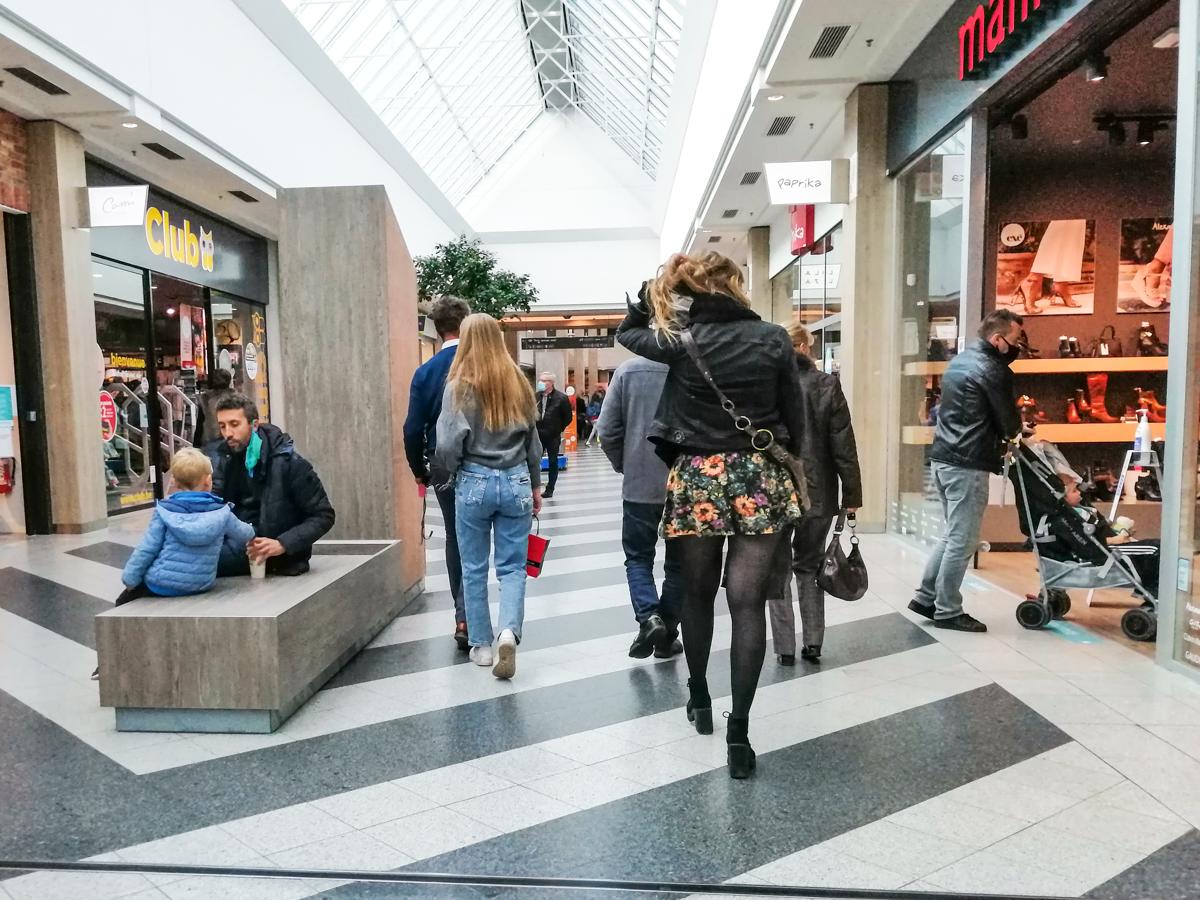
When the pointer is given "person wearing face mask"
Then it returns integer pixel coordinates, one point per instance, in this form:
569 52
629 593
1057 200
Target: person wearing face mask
978 416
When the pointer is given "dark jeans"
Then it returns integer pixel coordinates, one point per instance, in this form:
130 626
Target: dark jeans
639 538
552 444
445 500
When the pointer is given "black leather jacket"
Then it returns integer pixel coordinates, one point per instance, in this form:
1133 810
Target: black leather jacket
751 360
978 412
830 453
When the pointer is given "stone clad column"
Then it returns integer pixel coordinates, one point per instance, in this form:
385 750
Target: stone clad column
759 266
71 365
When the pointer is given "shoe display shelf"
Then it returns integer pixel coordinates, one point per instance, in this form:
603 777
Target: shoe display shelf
1059 366
1086 433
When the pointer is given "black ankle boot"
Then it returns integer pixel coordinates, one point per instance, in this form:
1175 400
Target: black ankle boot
699 706
741 755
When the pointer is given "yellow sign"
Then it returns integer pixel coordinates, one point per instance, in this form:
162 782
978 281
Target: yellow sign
116 361
139 497
179 243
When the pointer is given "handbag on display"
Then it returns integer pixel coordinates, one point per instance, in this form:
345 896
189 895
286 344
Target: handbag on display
791 464
845 577
536 555
1108 344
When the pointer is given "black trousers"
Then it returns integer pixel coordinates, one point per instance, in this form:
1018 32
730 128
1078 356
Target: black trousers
552 444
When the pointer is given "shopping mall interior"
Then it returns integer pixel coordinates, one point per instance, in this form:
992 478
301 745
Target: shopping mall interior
259 209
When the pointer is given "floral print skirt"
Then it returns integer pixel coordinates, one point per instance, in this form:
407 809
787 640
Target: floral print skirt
740 492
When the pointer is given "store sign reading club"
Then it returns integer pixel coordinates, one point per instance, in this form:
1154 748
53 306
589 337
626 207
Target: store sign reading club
989 28
179 243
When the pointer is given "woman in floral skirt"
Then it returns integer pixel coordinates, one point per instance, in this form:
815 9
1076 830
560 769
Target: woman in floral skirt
722 492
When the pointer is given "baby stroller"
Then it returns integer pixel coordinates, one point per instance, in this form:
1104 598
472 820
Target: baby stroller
1070 551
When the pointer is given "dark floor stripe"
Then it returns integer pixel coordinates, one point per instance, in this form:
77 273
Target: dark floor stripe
709 828
1171 871
323 549
438 541
110 553
67 801
61 609
560 553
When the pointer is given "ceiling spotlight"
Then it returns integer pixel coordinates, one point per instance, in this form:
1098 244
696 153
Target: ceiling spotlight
129 124
1168 40
775 97
1145 132
170 310
1096 68
1020 127
1116 134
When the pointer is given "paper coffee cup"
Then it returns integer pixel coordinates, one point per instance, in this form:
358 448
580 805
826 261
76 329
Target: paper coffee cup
258 568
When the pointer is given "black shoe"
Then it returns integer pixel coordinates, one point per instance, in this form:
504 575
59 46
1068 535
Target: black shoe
787 659
460 637
547 493
962 622
741 756
699 706
668 648
811 652
921 609
651 632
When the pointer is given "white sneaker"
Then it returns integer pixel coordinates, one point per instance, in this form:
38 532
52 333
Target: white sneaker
506 652
481 656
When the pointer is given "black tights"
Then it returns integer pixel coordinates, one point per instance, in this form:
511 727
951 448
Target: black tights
746 579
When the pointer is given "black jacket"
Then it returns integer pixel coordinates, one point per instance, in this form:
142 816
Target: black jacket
556 419
830 453
751 360
978 412
293 506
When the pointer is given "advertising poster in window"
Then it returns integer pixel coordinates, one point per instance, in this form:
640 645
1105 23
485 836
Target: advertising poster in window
1144 279
1047 268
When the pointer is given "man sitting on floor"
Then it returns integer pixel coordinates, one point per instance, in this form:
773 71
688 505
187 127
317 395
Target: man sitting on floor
271 486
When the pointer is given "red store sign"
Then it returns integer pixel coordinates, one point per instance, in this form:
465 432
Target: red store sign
990 27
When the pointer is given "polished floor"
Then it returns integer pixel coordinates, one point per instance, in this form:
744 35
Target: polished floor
1054 763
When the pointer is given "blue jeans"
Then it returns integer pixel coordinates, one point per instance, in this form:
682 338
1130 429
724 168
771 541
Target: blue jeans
964 496
639 537
487 501
446 501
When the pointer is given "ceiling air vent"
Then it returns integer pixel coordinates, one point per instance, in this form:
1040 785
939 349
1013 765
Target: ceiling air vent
729 214
36 80
751 178
830 42
243 196
165 152
715 239
781 125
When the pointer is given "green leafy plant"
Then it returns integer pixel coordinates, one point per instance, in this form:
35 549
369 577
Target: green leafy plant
462 268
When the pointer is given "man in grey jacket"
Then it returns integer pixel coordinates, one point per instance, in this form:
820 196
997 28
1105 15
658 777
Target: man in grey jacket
623 426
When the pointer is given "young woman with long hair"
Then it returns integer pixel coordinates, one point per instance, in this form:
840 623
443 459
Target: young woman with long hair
722 490
487 445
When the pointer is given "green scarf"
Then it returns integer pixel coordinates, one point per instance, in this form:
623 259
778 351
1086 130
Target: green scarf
253 451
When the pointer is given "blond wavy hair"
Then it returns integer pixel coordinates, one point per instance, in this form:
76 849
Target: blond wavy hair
190 469
705 273
483 370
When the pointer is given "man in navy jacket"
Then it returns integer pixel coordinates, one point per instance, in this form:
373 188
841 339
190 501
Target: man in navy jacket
420 429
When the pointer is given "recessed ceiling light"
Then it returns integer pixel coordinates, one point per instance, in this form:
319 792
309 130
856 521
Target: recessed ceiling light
97 275
1168 40
775 97
129 124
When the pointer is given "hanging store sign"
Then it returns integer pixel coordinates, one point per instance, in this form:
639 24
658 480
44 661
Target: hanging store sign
591 342
804 223
120 206
809 182
993 28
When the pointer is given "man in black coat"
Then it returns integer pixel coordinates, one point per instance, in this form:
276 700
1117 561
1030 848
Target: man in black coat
271 486
554 415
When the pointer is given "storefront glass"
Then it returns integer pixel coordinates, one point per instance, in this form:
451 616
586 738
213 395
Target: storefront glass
812 286
241 347
931 217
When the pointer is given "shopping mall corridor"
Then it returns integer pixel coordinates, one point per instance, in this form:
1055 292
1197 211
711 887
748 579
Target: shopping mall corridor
1043 763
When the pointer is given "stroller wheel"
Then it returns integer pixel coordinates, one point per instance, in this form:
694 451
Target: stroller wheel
1032 614
1060 604
1140 624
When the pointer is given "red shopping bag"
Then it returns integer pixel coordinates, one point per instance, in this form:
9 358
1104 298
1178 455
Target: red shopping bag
537 551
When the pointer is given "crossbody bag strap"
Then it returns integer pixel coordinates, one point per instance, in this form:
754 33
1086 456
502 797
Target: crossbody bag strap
760 438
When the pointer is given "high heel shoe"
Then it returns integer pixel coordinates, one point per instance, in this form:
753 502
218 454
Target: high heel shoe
1148 343
742 759
1159 408
1082 406
1152 415
1073 413
1027 351
699 705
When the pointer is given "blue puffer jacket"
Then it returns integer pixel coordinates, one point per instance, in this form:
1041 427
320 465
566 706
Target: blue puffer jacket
178 554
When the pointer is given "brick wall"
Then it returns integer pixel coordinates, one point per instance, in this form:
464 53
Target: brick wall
14 172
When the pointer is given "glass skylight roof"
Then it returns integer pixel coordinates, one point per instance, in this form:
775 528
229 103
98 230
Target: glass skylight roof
459 81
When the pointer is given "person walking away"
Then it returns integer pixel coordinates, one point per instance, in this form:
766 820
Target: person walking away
831 457
594 408
553 416
721 488
420 438
581 417
256 468
978 416
206 416
623 426
488 448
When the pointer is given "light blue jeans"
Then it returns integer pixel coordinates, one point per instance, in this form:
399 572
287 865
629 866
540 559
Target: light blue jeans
486 501
964 496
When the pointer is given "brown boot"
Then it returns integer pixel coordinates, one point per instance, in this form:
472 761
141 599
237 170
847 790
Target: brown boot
1097 387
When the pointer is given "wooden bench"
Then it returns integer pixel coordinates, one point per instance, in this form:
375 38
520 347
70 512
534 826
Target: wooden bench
246 655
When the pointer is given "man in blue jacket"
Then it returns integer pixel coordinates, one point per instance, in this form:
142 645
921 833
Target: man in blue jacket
420 428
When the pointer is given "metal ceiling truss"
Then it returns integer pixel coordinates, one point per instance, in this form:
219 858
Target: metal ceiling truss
459 82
